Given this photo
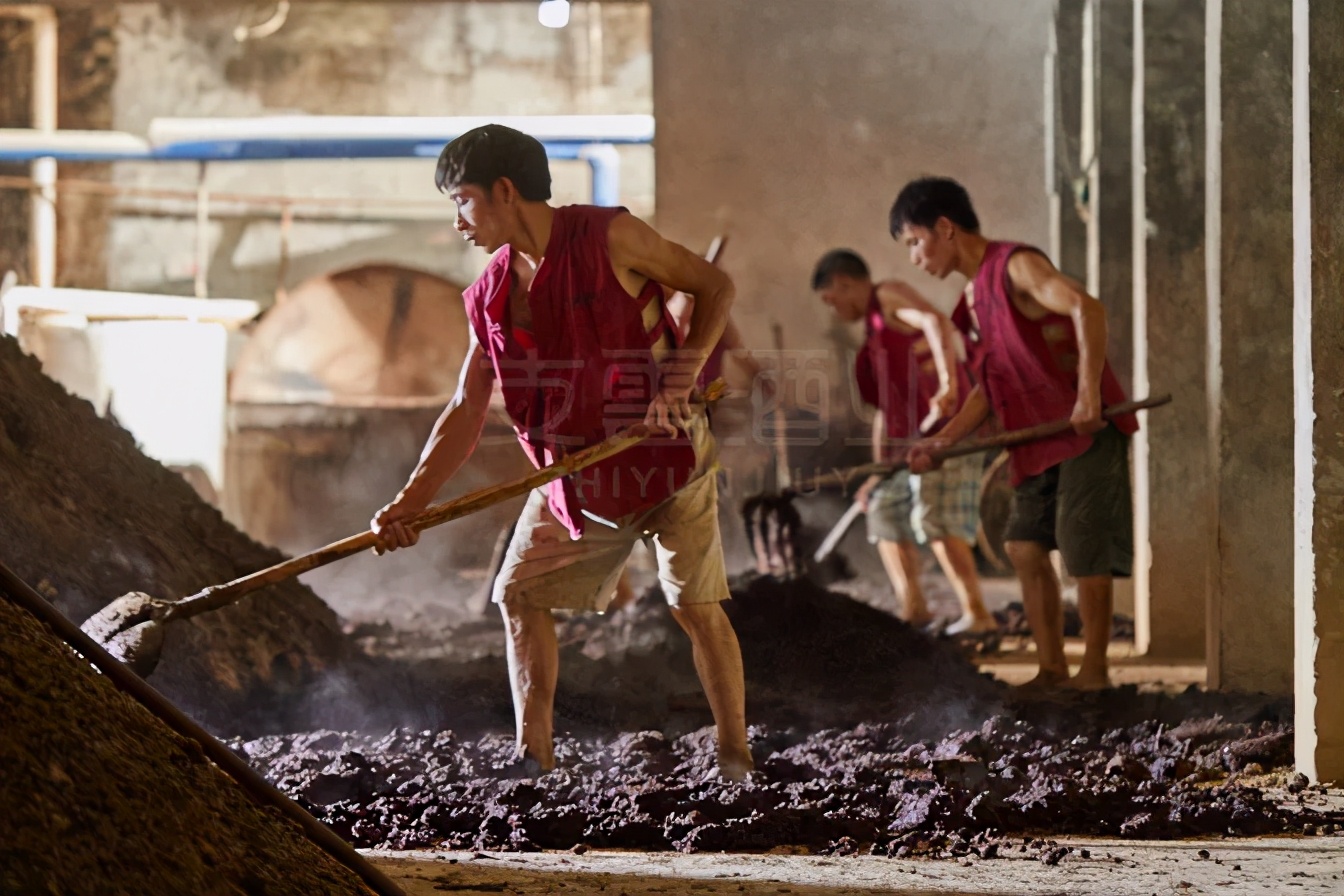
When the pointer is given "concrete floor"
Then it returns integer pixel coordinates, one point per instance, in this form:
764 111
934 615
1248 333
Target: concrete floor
1115 868
1015 660
1015 663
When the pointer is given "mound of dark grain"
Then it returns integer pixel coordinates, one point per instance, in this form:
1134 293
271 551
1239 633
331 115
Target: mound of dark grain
812 658
865 788
100 797
87 517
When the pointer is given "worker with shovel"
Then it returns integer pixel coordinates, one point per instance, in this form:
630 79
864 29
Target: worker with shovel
1037 343
909 370
568 317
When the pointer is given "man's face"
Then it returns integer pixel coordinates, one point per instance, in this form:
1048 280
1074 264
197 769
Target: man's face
931 250
480 219
847 297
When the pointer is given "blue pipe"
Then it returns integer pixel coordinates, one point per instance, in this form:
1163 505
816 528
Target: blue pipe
602 158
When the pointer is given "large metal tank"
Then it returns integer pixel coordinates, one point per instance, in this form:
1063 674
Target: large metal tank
331 400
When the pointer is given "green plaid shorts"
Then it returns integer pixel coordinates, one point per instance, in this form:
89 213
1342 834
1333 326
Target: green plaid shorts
942 503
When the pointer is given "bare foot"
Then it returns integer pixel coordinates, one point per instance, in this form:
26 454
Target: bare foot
1089 680
527 768
1045 680
539 761
918 619
735 765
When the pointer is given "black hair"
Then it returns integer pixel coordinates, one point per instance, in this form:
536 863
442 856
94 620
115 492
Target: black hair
483 155
922 202
838 261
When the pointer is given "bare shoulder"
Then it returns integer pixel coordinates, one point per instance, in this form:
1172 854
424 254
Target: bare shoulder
1028 269
638 251
1040 287
630 239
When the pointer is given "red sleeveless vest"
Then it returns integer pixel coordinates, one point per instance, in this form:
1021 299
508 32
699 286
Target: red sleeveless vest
1027 368
897 375
591 373
713 368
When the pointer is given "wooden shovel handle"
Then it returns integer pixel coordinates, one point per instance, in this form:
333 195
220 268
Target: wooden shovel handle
999 440
1045 430
217 596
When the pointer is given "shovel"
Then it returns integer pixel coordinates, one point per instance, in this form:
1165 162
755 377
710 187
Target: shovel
770 519
842 478
131 628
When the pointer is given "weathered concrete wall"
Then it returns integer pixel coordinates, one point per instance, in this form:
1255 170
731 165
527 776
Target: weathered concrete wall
16 65
356 59
87 69
792 124
1250 209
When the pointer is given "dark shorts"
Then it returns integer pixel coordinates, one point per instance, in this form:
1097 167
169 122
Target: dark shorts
1082 508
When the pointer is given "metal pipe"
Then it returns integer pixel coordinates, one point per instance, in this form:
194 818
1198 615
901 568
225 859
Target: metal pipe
246 777
591 138
605 160
282 269
202 233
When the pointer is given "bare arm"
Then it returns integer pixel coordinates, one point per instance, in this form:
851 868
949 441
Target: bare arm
879 437
865 491
451 442
638 254
967 420
907 305
1038 283
637 247
734 348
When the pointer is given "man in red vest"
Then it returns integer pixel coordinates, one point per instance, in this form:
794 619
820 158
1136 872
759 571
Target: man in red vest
568 318
1037 343
909 370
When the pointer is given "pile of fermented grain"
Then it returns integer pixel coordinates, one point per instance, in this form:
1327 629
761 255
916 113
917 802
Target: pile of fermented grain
101 797
87 517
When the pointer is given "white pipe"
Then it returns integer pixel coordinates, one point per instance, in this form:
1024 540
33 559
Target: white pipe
42 236
96 304
74 142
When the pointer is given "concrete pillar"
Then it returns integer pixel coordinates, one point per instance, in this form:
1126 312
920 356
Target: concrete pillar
1107 130
1110 244
1318 359
1250 280
1171 460
1063 116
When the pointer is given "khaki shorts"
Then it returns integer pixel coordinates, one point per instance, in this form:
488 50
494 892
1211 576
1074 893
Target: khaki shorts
546 569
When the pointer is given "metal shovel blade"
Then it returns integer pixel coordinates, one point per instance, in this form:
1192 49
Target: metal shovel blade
128 628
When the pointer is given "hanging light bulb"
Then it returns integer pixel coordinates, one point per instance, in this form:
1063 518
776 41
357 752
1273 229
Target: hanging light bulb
553 13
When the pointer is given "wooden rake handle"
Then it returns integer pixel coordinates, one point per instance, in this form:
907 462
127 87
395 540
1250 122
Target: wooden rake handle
974 446
217 596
